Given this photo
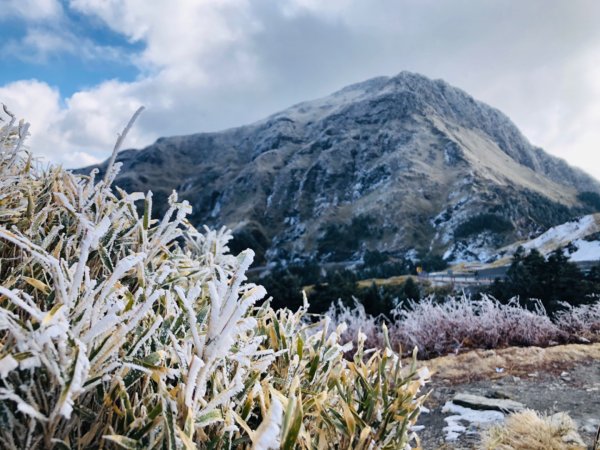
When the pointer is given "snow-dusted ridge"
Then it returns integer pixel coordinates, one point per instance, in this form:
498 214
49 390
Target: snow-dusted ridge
560 236
389 164
579 239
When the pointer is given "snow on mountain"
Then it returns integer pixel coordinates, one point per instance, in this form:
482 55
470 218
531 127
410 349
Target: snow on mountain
570 233
586 250
395 164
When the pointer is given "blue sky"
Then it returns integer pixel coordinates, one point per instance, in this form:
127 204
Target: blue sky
77 69
61 61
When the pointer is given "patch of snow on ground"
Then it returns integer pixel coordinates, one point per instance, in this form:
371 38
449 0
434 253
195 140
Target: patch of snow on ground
475 249
586 251
216 210
466 420
562 233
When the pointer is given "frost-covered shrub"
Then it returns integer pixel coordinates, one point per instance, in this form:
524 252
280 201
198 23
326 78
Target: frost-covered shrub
439 327
580 321
458 323
121 330
368 404
357 321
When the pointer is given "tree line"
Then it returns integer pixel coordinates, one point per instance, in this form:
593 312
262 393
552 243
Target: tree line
552 280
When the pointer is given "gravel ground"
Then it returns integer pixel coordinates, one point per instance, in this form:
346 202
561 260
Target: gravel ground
551 384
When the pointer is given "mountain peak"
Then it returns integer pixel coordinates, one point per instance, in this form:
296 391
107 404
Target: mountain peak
394 164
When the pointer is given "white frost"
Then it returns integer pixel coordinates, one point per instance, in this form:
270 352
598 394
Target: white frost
268 433
7 364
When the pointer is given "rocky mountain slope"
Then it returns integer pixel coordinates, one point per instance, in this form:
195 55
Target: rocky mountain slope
399 164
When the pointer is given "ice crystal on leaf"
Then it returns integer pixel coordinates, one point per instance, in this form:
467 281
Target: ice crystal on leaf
118 330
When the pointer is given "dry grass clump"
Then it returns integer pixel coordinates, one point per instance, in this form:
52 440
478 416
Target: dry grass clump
527 430
119 330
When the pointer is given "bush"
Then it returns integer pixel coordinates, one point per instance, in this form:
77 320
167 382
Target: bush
438 327
120 330
441 327
483 222
582 321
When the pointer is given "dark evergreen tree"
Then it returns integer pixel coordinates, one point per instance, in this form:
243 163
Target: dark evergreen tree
411 290
552 280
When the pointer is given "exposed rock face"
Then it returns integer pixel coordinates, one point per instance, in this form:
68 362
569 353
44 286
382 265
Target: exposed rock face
392 164
479 402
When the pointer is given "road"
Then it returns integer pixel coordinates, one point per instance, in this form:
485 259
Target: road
484 276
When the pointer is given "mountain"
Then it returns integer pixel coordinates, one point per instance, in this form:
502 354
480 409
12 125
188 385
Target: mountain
403 165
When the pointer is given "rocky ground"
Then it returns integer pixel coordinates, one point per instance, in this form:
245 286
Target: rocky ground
557 379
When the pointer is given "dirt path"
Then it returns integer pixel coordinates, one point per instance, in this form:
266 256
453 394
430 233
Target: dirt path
561 378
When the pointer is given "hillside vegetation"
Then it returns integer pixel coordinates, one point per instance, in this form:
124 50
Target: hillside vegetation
120 330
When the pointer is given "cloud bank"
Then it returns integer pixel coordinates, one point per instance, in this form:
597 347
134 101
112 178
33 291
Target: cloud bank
207 65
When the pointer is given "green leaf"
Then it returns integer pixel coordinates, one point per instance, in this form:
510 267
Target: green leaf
291 423
170 428
299 346
314 364
122 441
209 418
105 259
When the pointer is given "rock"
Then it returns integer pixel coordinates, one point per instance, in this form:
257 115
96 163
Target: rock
484 403
498 395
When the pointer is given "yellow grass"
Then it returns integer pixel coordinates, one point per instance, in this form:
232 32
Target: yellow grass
392 281
527 430
482 364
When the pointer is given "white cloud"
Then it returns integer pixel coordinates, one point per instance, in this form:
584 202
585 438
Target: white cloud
208 64
186 36
332 9
39 104
185 46
42 41
574 134
92 118
38 44
32 10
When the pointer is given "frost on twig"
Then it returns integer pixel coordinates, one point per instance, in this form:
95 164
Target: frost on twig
120 329
119 143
